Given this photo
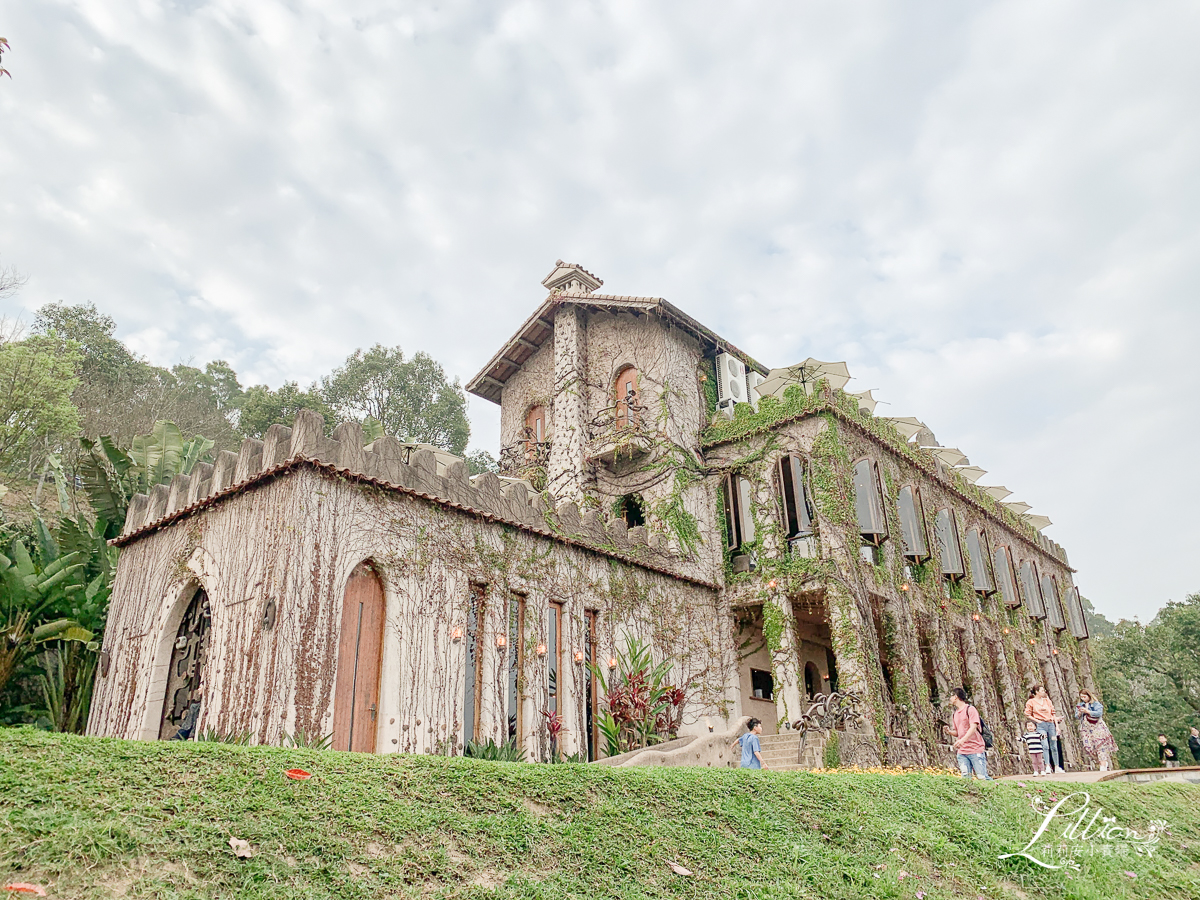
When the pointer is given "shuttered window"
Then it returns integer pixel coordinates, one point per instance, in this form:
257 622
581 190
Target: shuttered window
948 546
797 519
912 524
981 578
1033 593
868 501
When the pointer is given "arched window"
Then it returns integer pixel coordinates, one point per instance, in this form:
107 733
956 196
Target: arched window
625 397
535 429
912 524
797 518
981 578
1004 576
868 502
948 546
1033 594
632 509
1053 606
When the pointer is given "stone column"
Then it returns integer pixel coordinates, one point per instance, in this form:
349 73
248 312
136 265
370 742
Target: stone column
566 469
784 656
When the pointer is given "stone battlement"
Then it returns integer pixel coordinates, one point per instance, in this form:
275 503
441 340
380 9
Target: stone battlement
412 468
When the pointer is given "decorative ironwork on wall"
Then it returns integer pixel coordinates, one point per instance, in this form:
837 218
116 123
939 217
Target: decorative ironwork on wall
181 705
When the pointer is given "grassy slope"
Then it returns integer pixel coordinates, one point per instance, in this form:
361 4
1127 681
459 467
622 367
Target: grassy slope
99 818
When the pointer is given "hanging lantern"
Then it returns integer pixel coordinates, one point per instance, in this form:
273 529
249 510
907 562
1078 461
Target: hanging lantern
456 635
541 649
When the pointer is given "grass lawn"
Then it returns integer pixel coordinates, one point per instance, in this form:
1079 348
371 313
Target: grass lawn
104 818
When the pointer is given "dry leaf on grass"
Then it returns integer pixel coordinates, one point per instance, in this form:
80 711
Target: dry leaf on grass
241 849
22 887
678 869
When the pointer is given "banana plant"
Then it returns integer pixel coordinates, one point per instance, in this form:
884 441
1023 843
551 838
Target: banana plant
111 475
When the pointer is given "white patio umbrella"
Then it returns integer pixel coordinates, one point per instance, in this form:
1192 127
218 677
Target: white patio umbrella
950 456
999 492
807 374
906 425
971 473
1019 507
1039 522
866 401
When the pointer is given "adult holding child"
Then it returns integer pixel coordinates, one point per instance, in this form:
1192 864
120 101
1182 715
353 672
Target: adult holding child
1098 741
1040 708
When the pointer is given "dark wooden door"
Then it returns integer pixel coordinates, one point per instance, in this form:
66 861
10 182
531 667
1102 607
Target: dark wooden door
184 692
360 652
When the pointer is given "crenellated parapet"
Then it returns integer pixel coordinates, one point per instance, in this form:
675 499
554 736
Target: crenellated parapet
415 469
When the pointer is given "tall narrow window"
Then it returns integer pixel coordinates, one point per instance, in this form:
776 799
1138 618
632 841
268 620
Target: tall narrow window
593 736
868 502
948 546
797 518
1053 606
554 653
739 520
1004 577
516 665
1075 613
912 524
473 681
1033 594
625 397
632 508
981 578
535 429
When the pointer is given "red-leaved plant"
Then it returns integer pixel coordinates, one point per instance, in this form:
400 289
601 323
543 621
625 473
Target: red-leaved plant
641 707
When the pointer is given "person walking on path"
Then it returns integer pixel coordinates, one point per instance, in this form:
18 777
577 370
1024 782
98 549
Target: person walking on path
1035 745
751 748
968 733
1168 753
1040 708
1194 744
1098 741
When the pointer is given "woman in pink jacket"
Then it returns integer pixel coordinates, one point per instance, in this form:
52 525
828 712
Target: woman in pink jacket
1040 708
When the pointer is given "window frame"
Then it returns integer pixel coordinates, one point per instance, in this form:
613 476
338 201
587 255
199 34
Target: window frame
1054 612
874 502
1009 580
796 508
1034 602
739 516
983 567
623 416
916 555
949 541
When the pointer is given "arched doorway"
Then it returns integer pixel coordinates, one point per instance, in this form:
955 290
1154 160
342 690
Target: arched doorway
812 680
360 653
184 689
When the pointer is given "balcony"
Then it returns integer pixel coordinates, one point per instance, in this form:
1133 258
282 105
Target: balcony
528 460
620 434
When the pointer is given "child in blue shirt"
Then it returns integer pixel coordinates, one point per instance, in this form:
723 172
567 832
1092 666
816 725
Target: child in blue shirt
751 749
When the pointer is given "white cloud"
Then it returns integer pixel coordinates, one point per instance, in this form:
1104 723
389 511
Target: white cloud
989 209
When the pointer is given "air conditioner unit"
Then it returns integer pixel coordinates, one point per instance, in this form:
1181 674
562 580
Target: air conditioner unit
731 381
753 380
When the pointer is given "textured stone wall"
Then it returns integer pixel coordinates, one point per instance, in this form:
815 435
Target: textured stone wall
295 538
532 385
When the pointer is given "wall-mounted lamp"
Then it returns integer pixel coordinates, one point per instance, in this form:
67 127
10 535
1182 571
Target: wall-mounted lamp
708 723
612 662
578 657
541 649
456 635
501 641
975 617
1033 643
825 677
904 587
772 584
1006 631
1055 651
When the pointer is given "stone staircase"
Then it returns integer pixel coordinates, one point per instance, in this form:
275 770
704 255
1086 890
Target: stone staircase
781 752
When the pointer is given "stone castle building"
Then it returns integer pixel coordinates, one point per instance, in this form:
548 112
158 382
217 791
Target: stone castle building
773 549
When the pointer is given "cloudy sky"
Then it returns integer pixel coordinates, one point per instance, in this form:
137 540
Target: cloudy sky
990 210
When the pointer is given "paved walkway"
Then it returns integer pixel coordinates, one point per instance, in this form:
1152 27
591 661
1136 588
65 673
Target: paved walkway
1139 776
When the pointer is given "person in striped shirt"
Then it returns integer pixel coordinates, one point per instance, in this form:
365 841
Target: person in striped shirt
1035 745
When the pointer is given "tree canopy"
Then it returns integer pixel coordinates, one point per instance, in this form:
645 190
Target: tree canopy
410 398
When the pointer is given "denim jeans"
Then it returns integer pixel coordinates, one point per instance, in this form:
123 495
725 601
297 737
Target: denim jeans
973 761
1050 739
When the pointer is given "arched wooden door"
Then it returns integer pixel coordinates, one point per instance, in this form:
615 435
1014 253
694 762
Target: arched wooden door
184 693
360 652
